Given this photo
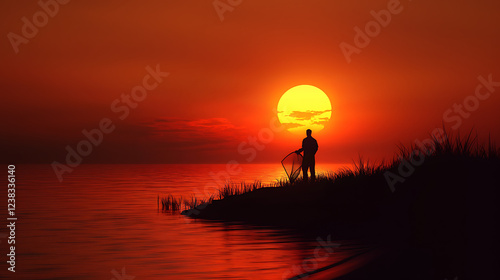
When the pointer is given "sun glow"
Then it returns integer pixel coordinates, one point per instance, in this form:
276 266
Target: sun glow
304 107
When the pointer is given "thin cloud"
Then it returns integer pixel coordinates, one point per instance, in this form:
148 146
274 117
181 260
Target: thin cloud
291 125
307 115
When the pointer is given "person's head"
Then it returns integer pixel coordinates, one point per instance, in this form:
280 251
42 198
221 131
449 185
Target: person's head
309 132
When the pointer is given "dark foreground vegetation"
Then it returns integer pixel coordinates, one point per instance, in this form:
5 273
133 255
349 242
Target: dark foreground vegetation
434 211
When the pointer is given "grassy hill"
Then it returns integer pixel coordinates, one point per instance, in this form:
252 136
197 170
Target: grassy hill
440 203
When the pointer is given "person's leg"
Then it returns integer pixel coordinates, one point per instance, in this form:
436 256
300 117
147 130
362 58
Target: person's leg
313 171
304 170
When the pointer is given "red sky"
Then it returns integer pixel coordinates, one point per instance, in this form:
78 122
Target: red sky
226 77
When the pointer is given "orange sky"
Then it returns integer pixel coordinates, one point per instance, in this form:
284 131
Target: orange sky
226 77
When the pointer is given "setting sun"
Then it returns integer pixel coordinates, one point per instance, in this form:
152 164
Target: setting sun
304 107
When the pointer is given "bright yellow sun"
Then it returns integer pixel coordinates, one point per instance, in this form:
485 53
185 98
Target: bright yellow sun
304 107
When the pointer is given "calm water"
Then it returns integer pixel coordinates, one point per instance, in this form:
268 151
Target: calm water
102 222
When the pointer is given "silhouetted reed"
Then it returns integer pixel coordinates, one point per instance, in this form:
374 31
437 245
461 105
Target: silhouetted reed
194 202
232 189
169 203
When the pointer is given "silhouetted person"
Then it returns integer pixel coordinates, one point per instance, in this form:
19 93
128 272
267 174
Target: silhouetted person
310 147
